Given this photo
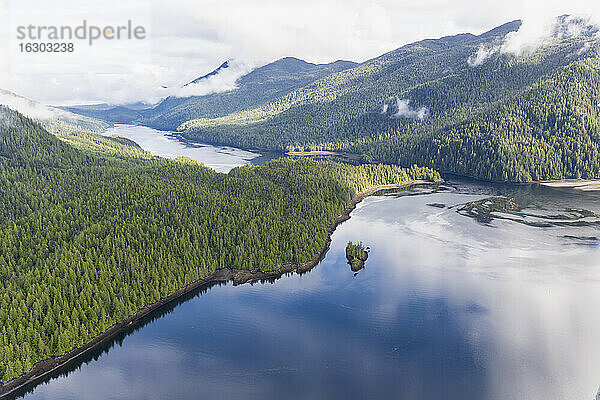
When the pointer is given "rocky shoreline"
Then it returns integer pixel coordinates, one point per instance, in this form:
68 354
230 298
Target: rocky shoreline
44 368
358 263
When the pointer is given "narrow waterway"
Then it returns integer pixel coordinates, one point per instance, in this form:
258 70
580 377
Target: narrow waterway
170 145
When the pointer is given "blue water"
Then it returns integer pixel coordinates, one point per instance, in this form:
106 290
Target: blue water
170 145
448 307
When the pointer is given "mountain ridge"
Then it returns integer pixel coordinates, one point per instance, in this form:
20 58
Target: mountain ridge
415 94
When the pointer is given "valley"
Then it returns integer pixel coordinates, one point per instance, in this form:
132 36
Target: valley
422 224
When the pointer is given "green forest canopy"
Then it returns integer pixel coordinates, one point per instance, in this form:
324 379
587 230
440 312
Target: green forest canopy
519 119
87 237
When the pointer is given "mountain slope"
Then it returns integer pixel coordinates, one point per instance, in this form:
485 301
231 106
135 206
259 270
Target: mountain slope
431 102
550 130
41 149
52 115
254 89
82 132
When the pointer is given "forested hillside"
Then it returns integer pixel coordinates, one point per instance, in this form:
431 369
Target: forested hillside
87 238
502 117
254 89
52 117
551 130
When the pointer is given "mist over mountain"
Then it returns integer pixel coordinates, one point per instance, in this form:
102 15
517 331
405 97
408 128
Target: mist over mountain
469 104
50 116
252 89
473 105
212 73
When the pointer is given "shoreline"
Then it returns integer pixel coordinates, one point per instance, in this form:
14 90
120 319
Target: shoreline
44 368
583 185
586 184
349 156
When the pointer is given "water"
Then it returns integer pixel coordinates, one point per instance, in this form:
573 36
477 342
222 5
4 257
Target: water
455 302
465 295
169 145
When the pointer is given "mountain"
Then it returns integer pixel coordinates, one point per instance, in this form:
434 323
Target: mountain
460 104
254 89
323 110
113 114
223 66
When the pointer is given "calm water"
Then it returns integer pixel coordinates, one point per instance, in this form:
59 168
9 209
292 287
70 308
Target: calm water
168 145
454 303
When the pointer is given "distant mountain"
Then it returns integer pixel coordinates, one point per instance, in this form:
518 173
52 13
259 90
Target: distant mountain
50 116
459 104
139 105
254 89
113 114
212 73
126 113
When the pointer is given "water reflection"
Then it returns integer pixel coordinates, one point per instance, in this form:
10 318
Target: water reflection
449 307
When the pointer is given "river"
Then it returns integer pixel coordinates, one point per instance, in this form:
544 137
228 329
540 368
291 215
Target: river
171 145
465 295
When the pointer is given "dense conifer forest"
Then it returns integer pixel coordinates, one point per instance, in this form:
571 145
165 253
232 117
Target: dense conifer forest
92 233
509 117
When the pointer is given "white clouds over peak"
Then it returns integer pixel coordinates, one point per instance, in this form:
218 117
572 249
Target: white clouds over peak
223 81
535 33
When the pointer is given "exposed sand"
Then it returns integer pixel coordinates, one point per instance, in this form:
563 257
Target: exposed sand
576 184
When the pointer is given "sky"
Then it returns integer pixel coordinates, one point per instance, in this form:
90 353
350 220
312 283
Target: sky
185 39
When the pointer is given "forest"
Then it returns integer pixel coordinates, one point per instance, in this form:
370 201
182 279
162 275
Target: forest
92 229
512 118
354 251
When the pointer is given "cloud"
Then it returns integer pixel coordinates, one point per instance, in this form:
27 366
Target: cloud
223 81
484 52
403 110
535 33
187 38
538 32
586 46
27 107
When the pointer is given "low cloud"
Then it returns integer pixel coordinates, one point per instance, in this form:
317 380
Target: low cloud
401 108
27 107
584 48
484 52
536 33
223 81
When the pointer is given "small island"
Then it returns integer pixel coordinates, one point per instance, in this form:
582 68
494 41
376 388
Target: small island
356 256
